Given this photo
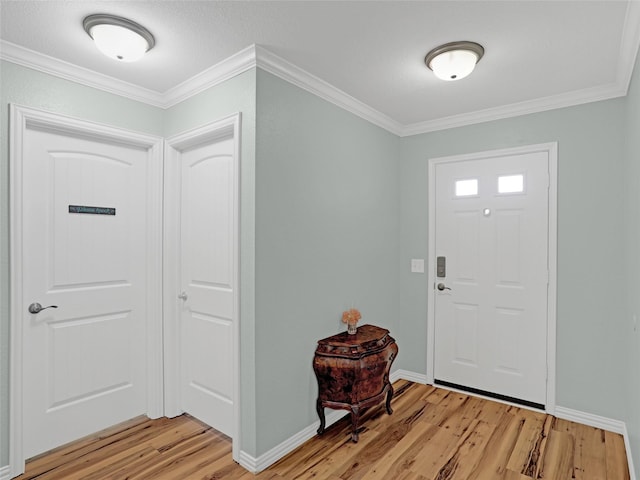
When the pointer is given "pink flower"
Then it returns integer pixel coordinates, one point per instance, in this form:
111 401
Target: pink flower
351 316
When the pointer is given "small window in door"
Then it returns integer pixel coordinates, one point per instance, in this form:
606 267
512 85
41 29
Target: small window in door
467 188
511 183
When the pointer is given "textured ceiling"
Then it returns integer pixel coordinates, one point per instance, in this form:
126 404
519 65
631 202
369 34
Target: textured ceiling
372 51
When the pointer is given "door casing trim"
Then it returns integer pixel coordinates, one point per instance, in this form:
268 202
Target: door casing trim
22 118
552 154
222 128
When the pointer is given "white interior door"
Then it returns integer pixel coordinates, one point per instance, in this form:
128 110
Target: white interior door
85 250
207 241
491 235
202 176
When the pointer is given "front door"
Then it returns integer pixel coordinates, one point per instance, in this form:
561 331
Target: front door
86 258
491 279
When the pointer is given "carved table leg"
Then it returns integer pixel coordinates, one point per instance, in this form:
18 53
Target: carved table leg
355 418
389 395
320 410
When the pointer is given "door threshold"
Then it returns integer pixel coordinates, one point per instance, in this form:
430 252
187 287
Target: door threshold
497 396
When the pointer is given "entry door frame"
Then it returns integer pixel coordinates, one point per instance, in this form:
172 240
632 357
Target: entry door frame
219 129
552 154
23 118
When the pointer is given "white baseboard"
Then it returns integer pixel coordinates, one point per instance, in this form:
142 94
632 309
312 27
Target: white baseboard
604 423
409 376
267 459
627 446
4 472
255 465
609 424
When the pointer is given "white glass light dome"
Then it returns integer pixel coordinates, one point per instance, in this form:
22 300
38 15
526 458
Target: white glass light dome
119 38
454 61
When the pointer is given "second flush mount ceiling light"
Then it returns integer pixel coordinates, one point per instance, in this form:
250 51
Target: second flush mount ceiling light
118 37
455 60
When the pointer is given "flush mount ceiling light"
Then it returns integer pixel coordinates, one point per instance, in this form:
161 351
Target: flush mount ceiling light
455 60
118 38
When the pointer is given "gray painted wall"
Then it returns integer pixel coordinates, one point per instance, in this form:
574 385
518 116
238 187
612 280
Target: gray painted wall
30 88
632 259
327 220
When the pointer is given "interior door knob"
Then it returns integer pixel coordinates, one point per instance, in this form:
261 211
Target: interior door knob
442 286
183 296
37 308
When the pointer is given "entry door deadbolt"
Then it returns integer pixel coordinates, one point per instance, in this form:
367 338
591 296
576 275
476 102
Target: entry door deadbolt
441 267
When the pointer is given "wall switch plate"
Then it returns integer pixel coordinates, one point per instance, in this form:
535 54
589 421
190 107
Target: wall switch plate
417 265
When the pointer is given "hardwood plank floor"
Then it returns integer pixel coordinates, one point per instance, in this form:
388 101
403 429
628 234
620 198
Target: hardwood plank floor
433 434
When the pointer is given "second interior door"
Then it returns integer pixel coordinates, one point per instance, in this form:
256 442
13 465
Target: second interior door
207 279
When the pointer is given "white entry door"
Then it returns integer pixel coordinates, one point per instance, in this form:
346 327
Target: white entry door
491 279
202 171
86 254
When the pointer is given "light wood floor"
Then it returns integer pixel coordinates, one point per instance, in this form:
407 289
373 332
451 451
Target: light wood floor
433 434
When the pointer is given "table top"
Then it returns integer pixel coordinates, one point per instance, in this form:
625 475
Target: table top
368 338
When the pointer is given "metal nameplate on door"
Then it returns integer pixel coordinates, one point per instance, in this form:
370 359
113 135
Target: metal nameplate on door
92 210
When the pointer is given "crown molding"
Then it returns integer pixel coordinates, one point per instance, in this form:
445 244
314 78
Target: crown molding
218 73
629 45
569 99
258 56
59 68
295 75
236 64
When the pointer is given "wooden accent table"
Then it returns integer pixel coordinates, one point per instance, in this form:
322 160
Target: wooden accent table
353 372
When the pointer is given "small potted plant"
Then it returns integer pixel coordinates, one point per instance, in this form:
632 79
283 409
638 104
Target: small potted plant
351 317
